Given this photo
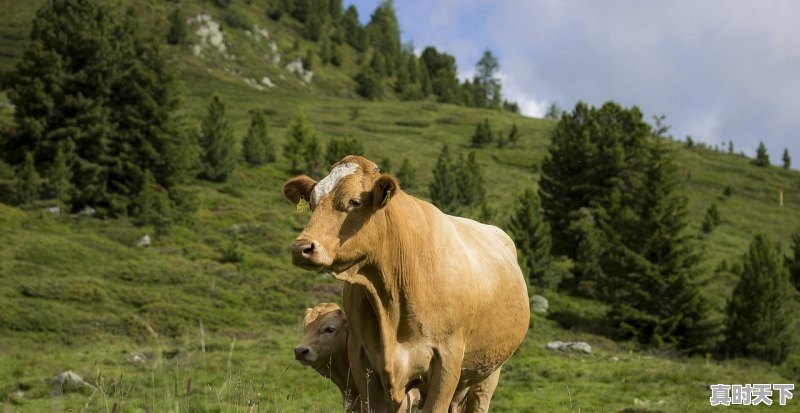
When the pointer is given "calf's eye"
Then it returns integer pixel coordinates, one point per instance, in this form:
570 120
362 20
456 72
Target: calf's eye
355 203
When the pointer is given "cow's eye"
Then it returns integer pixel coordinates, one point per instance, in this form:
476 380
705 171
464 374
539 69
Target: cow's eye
329 329
355 203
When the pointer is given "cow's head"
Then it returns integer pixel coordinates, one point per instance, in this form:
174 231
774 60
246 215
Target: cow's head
324 335
344 205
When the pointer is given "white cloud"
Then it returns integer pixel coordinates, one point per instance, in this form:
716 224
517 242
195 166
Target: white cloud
718 69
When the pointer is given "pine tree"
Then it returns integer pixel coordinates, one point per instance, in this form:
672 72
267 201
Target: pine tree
593 154
257 146
513 136
787 160
553 112
298 136
383 31
762 157
444 187
217 141
482 135
651 266
177 28
60 179
760 320
407 175
713 214
470 181
730 146
793 262
354 33
589 278
532 237
152 204
660 128
70 63
27 190
143 106
338 148
487 82
368 84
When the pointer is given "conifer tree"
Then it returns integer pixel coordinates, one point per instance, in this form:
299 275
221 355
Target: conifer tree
368 84
589 278
651 265
444 187
257 146
384 34
793 262
60 179
354 33
761 319
532 237
730 146
787 160
482 135
407 175
553 112
70 63
513 136
591 150
177 27
762 157
486 81
298 136
27 190
217 141
470 181
152 205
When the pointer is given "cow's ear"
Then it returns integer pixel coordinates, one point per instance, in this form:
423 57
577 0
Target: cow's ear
341 314
298 188
386 186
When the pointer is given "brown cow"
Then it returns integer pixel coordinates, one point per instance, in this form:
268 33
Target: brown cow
434 301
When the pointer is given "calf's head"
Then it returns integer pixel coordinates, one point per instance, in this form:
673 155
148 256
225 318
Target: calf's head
324 335
344 205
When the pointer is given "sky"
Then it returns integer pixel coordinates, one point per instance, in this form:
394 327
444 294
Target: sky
719 70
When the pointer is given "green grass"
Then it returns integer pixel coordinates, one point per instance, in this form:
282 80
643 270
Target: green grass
77 294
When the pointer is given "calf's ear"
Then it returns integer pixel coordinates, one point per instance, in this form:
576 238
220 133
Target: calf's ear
298 188
385 187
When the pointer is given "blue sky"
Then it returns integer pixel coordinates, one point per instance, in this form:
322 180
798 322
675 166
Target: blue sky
718 69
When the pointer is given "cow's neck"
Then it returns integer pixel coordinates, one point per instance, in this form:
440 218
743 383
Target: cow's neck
397 235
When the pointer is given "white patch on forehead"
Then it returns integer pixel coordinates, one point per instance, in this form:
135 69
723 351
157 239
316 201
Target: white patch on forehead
327 184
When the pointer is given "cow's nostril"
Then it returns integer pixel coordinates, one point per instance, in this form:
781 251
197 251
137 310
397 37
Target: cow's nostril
300 352
309 249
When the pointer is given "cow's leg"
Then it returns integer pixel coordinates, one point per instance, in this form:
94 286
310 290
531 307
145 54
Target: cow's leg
366 381
480 395
459 401
443 379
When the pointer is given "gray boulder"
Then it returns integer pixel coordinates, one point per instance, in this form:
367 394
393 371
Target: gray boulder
576 346
539 305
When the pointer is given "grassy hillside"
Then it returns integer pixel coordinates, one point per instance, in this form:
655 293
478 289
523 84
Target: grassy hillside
78 294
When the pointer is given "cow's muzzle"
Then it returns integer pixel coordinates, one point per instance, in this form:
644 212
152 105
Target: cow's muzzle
307 254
